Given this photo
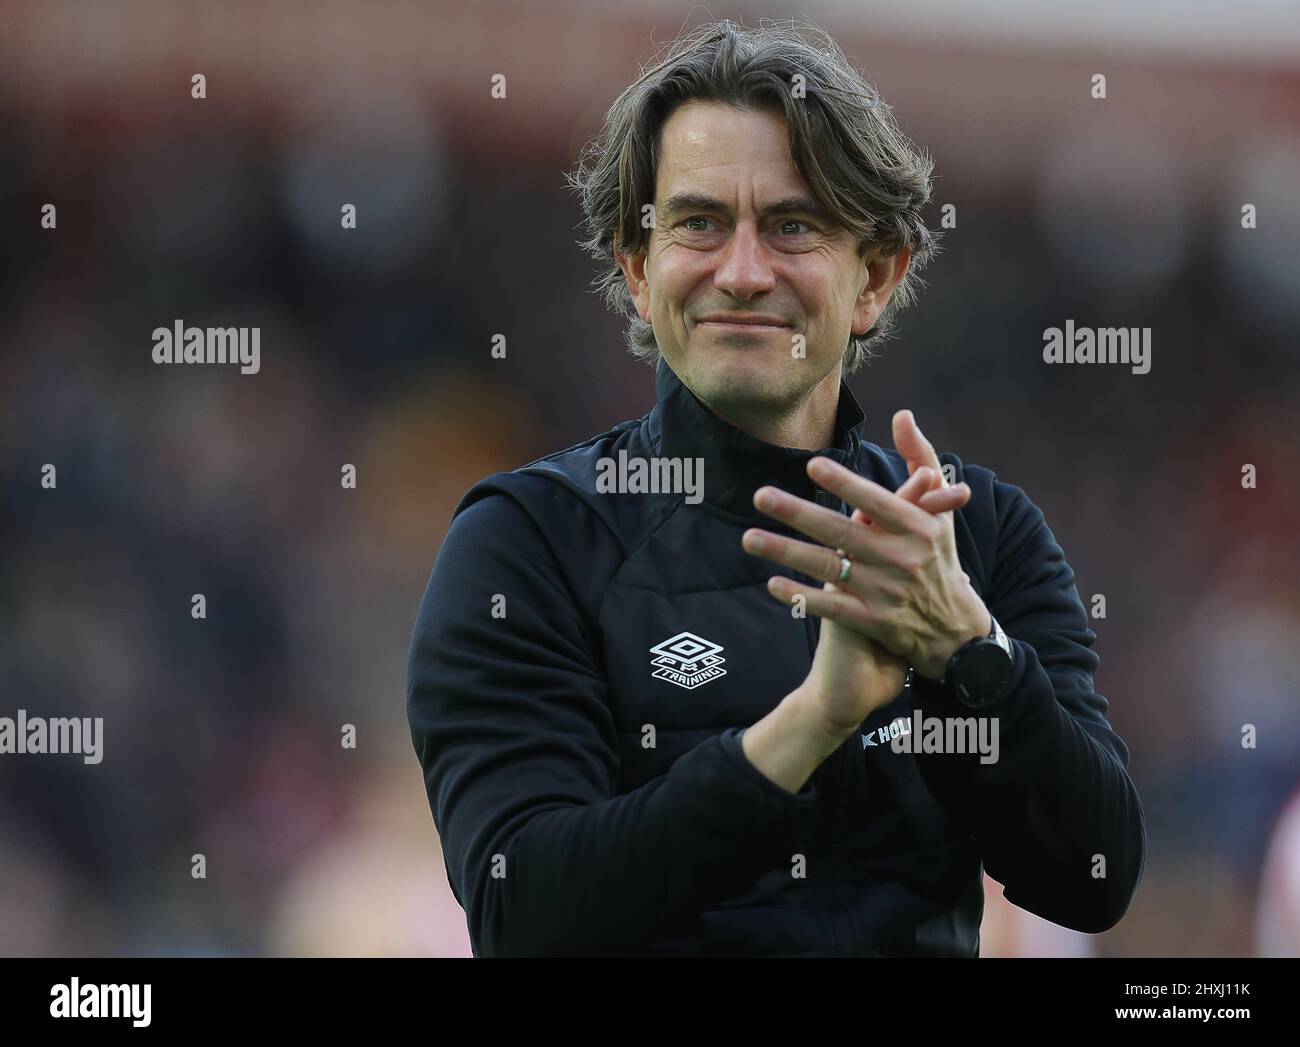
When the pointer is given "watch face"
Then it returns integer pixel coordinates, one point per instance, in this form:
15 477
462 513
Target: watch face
983 674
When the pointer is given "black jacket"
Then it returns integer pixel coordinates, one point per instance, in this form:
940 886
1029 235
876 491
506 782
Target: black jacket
591 794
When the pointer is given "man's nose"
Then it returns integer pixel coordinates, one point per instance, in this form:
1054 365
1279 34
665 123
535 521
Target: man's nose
743 269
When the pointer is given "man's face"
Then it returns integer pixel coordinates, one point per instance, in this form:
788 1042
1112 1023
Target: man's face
738 236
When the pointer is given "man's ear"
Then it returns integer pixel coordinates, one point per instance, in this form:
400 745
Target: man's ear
633 267
883 274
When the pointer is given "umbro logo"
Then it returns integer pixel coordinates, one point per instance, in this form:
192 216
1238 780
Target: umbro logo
687 660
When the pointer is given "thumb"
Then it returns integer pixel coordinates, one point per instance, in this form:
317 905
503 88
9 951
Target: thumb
911 443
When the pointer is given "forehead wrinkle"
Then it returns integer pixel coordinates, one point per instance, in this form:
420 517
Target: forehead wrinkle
685 201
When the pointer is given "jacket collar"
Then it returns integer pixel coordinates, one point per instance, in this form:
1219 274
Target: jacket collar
737 464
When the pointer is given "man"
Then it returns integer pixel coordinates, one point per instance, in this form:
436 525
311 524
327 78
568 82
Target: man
634 740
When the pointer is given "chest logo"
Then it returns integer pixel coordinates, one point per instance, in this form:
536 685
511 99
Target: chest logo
687 660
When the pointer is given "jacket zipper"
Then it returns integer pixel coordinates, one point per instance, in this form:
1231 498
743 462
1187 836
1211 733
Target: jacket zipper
834 780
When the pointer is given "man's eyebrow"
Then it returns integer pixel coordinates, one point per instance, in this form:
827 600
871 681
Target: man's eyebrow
687 203
798 205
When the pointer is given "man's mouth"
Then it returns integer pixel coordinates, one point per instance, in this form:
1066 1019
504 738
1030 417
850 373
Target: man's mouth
743 324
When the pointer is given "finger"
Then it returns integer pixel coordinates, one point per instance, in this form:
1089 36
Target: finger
949 499
883 506
912 444
824 603
816 561
920 482
916 485
824 525
938 506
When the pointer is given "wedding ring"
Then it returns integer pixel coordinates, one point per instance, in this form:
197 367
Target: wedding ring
845 565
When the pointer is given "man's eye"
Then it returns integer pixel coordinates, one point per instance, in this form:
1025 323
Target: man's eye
795 221
696 218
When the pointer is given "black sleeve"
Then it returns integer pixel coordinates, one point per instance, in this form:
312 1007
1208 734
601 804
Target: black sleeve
512 723
1059 802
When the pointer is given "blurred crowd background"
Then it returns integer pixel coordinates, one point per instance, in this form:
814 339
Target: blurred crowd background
222 736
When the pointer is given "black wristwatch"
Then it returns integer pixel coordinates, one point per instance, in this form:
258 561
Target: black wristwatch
979 671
